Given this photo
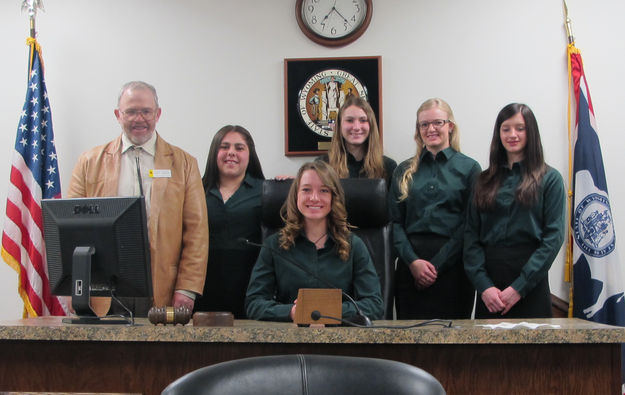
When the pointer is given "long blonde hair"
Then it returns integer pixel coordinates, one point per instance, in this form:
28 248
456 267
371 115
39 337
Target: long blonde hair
454 142
337 218
373 166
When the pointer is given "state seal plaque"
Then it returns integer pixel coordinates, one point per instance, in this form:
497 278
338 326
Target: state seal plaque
322 96
315 89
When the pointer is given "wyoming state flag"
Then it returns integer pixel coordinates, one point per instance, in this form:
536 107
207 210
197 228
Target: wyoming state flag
598 292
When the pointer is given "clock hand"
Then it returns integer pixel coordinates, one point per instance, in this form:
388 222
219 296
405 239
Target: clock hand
326 17
339 14
322 23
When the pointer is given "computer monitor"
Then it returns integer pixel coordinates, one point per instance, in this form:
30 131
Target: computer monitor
97 247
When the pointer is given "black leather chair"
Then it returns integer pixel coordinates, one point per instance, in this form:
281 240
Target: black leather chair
367 209
306 374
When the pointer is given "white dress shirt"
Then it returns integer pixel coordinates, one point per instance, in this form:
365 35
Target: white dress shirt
128 179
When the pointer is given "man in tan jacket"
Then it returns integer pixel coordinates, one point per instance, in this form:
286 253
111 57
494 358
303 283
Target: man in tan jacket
172 186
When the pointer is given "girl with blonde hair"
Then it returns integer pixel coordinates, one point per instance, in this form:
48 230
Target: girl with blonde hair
428 200
356 146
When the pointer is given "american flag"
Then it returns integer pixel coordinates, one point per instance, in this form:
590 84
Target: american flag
34 176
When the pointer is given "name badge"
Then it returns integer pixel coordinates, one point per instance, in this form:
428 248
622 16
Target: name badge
160 173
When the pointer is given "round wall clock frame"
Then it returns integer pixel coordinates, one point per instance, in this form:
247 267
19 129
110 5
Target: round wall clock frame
333 23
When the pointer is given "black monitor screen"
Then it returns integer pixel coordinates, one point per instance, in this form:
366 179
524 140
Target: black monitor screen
113 230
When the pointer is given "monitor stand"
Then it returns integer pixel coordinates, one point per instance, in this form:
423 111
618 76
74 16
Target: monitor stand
98 321
81 287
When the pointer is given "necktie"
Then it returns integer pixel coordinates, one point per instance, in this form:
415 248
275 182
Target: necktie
137 151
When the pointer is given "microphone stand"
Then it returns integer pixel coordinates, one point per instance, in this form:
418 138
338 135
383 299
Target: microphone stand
315 315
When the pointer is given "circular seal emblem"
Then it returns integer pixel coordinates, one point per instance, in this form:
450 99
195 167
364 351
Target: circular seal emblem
323 94
593 227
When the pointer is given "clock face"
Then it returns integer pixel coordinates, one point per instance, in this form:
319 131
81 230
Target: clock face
323 94
333 20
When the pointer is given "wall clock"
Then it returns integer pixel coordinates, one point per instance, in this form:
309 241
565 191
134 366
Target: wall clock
333 23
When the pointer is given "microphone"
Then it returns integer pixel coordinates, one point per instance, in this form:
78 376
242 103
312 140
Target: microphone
360 319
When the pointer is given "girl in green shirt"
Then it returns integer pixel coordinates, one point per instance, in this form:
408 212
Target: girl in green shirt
428 200
515 226
233 182
356 146
316 235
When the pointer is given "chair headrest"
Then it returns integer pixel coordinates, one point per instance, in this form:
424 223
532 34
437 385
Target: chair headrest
273 197
365 201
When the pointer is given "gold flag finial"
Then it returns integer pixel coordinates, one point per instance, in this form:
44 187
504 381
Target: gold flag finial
567 24
32 6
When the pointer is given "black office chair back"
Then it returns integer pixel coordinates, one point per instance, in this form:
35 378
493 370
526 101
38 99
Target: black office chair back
367 209
307 374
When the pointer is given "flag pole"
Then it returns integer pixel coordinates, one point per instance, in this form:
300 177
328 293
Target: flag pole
568 267
31 16
567 24
31 6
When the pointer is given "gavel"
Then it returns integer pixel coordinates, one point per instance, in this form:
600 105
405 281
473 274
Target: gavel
169 315
182 315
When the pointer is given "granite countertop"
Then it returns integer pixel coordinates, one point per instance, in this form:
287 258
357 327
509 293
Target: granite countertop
247 331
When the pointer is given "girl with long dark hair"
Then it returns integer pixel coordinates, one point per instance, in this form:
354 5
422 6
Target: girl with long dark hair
233 184
515 226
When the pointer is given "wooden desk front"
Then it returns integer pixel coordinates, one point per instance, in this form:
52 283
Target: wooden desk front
580 357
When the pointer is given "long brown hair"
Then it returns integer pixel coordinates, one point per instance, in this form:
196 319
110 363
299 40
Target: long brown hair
533 169
454 142
373 166
336 220
211 173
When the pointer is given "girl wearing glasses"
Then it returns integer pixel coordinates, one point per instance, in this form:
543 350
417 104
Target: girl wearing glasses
233 182
356 149
428 199
515 225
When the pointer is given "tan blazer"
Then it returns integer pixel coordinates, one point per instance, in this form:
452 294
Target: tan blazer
178 225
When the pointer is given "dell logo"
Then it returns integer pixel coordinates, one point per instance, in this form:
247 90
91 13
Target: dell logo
87 209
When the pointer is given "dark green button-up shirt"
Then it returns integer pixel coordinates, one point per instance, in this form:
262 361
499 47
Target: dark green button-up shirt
510 224
436 204
276 281
239 217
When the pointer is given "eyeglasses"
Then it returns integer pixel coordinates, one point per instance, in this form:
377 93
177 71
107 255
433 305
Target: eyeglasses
146 113
437 123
